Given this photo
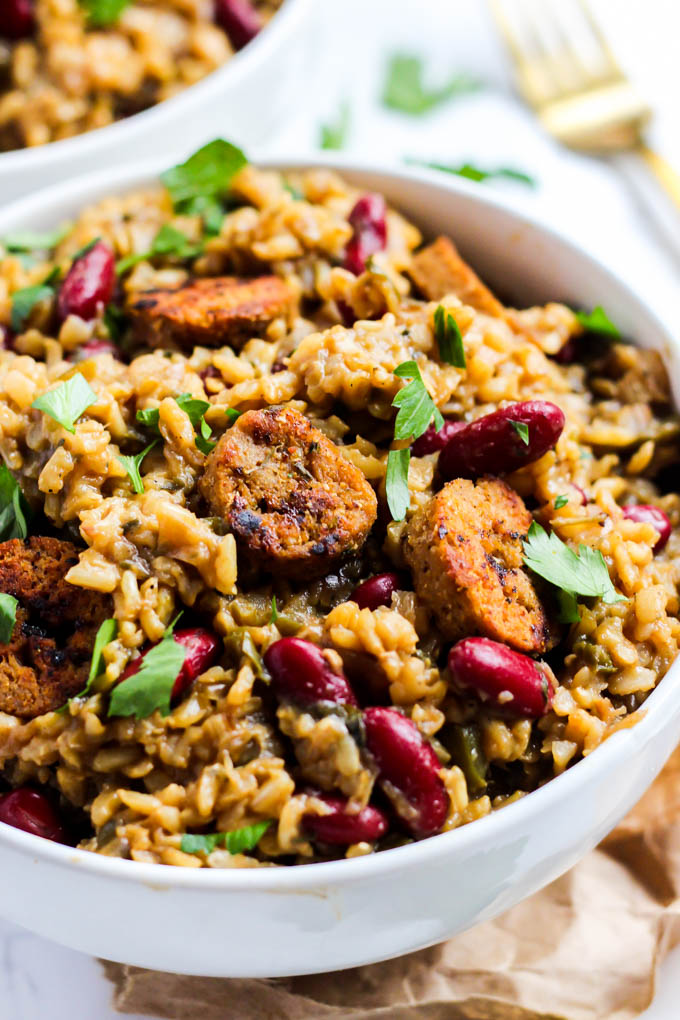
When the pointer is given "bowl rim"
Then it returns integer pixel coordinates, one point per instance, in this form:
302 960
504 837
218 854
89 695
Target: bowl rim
520 815
178 107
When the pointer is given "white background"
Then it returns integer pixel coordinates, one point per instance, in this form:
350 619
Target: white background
585 197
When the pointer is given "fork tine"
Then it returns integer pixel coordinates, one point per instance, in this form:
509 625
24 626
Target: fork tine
609 62
534 78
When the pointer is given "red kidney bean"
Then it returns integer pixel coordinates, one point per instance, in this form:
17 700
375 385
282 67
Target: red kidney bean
202 649
492 446
88 284
341 828
16 19
567 353
368 219
31 811
645 514
407 763
91 348
300 673
5 338
377 591
431 441
239 19
501 677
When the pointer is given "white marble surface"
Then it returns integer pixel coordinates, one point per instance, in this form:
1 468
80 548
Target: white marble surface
42 981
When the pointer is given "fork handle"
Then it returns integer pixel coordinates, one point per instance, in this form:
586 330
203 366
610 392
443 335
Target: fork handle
657 185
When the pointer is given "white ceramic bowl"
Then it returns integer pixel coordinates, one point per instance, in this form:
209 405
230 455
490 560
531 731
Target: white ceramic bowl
283 921
245 100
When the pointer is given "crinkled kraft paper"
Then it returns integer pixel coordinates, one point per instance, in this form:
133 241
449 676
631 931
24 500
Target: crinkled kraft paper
585 948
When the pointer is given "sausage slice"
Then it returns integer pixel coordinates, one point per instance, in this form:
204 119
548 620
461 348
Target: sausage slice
465 550
294 503
211 311
439 270
48 657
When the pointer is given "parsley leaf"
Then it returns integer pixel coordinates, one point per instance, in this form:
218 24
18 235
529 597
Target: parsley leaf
106 633
561 501
67 401
522 430
209 209
396 483
29 240
275 613
25 300
416 406
84 250
404 89
115 321
195 409
448 337
598 322
8 615
13 507
101 13
475 173
132 466
169 242
334 134
583 573
150 688
206 174
236 842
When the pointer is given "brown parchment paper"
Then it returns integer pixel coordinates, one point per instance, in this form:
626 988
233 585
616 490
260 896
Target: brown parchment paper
585 948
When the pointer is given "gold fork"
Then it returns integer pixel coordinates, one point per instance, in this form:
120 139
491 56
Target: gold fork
567 72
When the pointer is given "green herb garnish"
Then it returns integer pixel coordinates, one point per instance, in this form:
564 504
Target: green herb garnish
13 507
25 300
8 615
561 501
29 240
66 402
334 134
275 613
598 322
150 688
236 842
84 250
404 89
133 464
449 338
207 174
115 321
396 483
583 573
195 409
167 242
101 13
475 173
416 407
522 430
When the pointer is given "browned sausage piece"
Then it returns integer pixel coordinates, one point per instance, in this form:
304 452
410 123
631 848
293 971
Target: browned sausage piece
294 503
211 311
48 657
465 550
439 270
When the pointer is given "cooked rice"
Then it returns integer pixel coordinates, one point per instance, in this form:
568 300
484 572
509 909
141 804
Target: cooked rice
222 758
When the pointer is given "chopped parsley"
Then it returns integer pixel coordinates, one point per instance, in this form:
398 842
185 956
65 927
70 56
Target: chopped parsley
207 174
561 501
101 13
405 90
13 507
115 321
449 338
598 322
132 466
106 633
84 250
150 688
416 410
522 430
334 134
66 402
236 842
475 173
583 573
195 409
275 613
29 240
169 242
25 300
8 615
